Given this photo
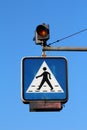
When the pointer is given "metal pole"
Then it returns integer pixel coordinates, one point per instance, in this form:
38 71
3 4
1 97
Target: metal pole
43 52
64 48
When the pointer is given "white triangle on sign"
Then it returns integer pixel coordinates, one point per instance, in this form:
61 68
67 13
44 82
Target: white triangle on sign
40 76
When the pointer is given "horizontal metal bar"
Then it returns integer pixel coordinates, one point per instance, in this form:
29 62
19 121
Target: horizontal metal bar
64 48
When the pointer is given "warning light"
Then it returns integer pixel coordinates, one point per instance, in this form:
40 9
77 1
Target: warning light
41 34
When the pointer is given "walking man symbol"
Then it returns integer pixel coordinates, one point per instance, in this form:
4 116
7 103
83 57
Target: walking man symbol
46 76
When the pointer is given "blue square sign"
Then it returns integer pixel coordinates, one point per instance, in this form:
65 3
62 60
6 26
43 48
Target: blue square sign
44 79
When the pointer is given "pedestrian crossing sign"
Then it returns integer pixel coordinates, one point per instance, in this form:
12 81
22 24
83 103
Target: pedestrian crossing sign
44 79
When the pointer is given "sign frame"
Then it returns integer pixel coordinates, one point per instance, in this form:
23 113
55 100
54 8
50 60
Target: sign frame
27 101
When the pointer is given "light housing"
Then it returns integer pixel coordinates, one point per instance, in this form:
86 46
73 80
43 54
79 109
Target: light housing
41 34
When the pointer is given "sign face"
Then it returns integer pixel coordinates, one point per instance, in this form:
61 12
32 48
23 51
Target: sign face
44 79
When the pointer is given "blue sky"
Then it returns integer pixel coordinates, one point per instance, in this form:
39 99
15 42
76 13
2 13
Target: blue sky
18 20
